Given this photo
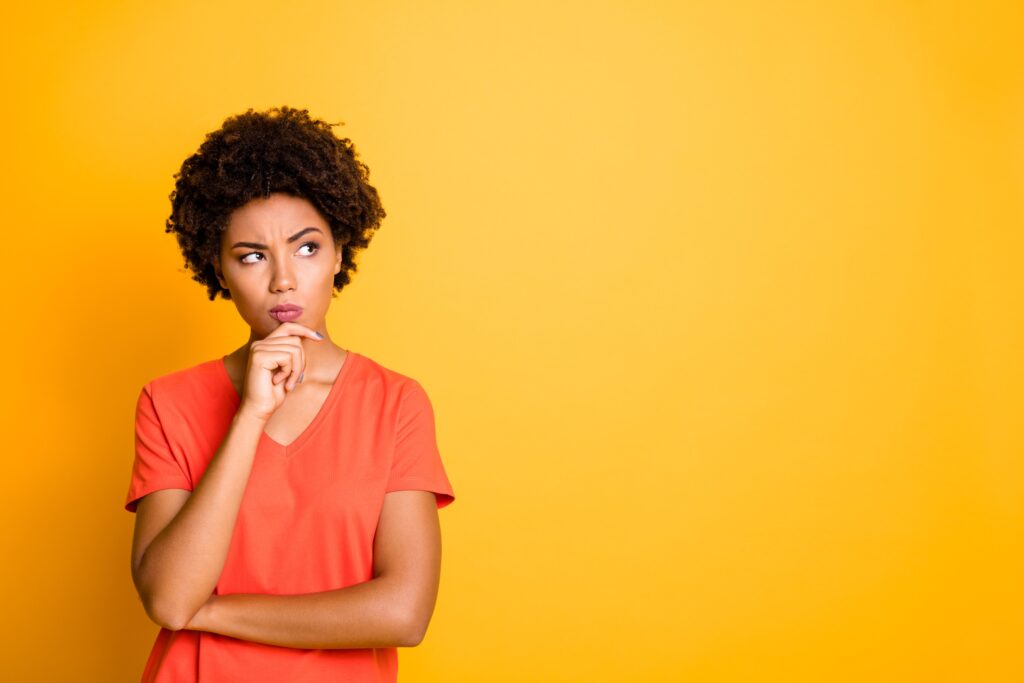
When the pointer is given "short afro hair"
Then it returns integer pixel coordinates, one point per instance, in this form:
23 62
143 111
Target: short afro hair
256 154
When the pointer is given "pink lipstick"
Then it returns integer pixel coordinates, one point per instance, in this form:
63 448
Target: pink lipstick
285 312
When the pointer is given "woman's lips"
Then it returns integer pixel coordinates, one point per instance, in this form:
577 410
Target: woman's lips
285 313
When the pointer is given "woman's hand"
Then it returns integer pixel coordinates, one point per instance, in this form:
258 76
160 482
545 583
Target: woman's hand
275 364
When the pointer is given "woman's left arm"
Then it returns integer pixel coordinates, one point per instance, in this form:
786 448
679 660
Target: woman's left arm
390 610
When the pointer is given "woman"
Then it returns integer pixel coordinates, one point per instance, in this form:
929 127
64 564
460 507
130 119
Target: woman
286 494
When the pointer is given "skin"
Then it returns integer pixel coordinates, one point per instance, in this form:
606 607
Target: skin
181 537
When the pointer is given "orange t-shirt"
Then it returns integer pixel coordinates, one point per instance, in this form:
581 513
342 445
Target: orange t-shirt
308 516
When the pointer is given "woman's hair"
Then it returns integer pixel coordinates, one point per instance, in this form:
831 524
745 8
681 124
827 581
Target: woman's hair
256 154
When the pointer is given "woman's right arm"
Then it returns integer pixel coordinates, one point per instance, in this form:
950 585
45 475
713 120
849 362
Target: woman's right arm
181 538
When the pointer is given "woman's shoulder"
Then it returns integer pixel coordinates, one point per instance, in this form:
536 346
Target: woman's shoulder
374 374
188 383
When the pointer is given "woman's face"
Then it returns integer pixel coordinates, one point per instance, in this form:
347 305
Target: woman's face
275 251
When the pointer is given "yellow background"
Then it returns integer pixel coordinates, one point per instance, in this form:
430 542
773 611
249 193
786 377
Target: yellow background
719 305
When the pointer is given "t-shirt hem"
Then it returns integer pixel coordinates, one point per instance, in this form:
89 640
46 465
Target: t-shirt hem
157 485
445 496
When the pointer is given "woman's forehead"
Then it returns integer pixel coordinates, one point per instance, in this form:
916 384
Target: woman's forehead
274 218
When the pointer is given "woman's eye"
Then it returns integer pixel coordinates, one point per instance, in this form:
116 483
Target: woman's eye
314 245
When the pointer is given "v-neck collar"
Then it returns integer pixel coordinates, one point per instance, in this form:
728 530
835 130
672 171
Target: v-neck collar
325 408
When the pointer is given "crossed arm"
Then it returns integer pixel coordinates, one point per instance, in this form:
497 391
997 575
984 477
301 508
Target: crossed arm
390 610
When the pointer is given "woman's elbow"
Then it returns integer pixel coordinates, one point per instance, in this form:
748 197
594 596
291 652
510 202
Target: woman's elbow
412 636
412 627
165 613
157 608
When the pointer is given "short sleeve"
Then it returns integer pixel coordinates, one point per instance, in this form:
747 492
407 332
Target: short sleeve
417 462
155 466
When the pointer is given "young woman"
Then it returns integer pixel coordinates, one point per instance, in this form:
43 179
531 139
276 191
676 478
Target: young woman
286 494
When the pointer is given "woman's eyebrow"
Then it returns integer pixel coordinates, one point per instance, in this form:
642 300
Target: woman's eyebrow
257 245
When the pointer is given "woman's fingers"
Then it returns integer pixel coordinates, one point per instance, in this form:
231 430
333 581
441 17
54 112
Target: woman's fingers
276 363
292 332
293 328
293 361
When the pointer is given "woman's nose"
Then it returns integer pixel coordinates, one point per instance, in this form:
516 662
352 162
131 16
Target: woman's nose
283 279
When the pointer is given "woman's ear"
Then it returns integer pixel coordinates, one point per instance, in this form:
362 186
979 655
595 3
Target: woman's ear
218 273
338 246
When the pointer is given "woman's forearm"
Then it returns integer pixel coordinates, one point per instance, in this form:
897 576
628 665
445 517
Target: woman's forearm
182 565
365 615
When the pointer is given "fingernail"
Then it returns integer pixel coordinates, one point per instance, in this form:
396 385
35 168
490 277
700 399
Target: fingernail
301 375
318 334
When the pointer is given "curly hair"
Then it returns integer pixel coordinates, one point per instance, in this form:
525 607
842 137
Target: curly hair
256 154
